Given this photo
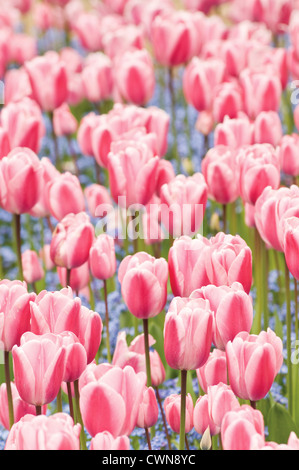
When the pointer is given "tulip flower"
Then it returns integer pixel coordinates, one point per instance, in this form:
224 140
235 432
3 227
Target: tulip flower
172 407
105 441
65 195
55 432
268 128
90 332
148 412
240 426
234 133
49 174
288 154
97 77
39 369
96 196
32 268
64 122
227 101
248 357
86 125
79 277
213 371
291 239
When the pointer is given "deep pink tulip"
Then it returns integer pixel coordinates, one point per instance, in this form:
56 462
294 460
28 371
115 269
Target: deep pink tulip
20 407
111 402
105 441
49 174
55 312
186 261
165 174
210 409
213 371
102 257
24 124
97 197
20 180
39 368
134 356
172 408
132 174
14 312
75 356
220 170
229 260
271 209
288 154
201 77
259 167
48 80
65 195
97 77
4 143
239 426
268 128
291 244
248 356
32 267
143 280
55 432
183 204
234 133
148 412
232 311
72 240
188 333
90 332
275 15
64 122
135 77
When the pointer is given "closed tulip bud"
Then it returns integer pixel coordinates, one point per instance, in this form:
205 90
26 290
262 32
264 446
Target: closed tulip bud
141 273
39 368
90 332
72 240
172 408
148 412
239 426
186 261
64 122
248 356
48 80
210 409
105 441
102 257
55 432
268 128
232 308
32 268
220 170
75 356
288 154
65 196
14 312
97 77
188 333
20 177
213 371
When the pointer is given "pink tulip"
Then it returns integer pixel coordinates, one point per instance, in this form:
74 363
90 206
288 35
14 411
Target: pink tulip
240 426
87 27
23 47
210 409
229 260
276 15
124 38
139 274
183 204
227 101
14 312
102 136
49 174
38 368
157 121
102 257
200 81
165 174
234 133
20 407
220 170
79 277
132 174
291 238
97 77
288 154
86 126
134 356
90 332
4 143
20 175
17 85
55 432
259 167
188 333
65 195
148 412
105 441
24 124
32 268
232 311
72 240
55 312
97 196
75 356
64 122
135 77
172 408
248 356
213 371
47 73
111 402
268 128
186 262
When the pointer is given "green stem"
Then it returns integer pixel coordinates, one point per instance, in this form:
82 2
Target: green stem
68 277
38 410
148 438
17 230
147 353
289 346
224 215
59 401
8 388
183 409
70 398
163 417
107 322
78 414
258 281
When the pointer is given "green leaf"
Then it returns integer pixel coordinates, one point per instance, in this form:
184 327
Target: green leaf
280 424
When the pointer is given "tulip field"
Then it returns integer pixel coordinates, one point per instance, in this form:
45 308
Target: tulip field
149 225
